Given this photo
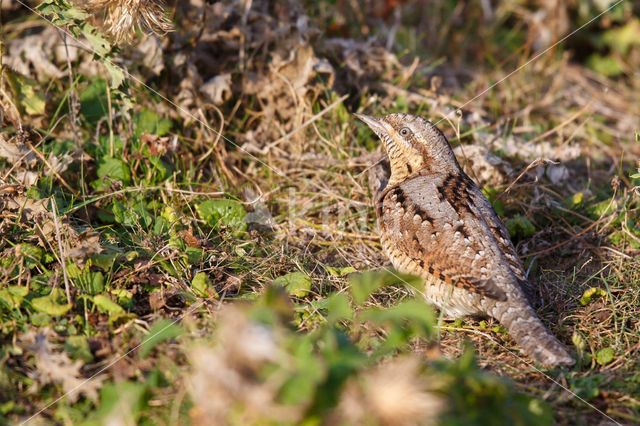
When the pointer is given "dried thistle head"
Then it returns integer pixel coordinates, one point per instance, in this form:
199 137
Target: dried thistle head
395 393
121 16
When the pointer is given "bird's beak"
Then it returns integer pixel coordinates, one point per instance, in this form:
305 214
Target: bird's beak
374 123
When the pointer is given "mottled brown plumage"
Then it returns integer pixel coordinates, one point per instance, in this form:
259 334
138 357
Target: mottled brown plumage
436 223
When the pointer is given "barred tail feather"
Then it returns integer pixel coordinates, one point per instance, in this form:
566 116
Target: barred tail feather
534 338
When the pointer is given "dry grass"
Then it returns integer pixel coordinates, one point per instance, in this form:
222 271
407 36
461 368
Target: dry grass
269 79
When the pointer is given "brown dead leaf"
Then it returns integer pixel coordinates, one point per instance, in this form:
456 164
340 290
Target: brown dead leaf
30 56
16 151
156 300
55 367
190 239
217 89
84 246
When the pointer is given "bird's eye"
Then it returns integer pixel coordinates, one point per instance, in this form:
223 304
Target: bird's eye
405 131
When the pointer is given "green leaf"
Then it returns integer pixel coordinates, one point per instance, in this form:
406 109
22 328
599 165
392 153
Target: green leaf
32 101
621 39
53 304
161 331
194 255
149 122
363 285
100 45
78 348
105 304
200 284
116 73
14 295
591 293
104 260
296 283
75 13
114 396
339 272
417 313
575 200
339 308
94 102
32 255
223 213
520 227
114 168
91 282
605 65
604 356
124 296
132 215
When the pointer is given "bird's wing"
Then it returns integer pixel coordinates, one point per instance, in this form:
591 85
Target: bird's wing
503 240
433 220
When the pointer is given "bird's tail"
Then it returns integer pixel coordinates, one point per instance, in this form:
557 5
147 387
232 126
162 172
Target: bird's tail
534 338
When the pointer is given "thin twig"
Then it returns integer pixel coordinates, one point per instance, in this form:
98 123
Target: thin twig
305 124
57 175
564 123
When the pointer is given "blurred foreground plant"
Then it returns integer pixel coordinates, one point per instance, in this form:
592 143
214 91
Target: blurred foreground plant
259 369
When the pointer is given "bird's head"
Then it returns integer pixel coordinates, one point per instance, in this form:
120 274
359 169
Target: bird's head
412 144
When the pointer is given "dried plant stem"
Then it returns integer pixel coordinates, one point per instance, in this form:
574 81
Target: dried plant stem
57 175
305 124
73 99
575 116
62 258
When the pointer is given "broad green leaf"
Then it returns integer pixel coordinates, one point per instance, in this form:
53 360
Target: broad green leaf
417 313
605 65
100 45
32 254
94 102
600 209
78 348
75 13
339 308
149 122
223 213
105 304
53 304
32 101
170 215
363 285
159 332
296 283
200 283
520 227
104 260
194 255
114 396
91 282
622 38
131 215
116 73
113 168
604 356
340 272
14 295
